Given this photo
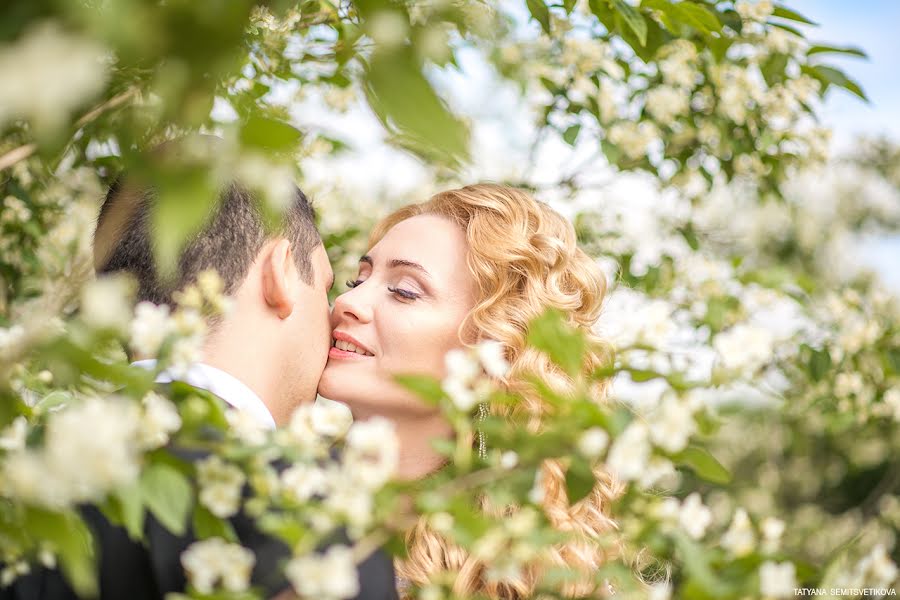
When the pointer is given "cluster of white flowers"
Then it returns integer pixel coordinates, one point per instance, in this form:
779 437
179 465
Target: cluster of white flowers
330 576
665 103
593 442
634 138
875 569
159 420
630 452
676 63
758 10
150 328
738 89
221 486
106 302
464 382
314 426
740 539
744 348
90 448
55 72
372 453
12 438
214 562
777 580
692 516
672 424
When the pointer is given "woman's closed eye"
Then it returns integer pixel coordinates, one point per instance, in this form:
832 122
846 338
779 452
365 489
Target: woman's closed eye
401 293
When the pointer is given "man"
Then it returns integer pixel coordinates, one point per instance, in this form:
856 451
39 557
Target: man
264 357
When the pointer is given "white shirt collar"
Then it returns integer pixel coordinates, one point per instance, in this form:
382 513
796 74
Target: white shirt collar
216 381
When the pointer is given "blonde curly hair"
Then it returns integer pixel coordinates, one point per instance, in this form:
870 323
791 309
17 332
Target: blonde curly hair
524 259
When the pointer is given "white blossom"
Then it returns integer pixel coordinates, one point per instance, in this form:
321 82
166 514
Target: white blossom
150 328
55 73
106 302
209 563
633 138
744 347
372 453
12 438
672 424
461 365
659 472
660 591
331 576
221 485
740 538
493 358
630 452
246 426
891 399
159 420
89 449
666 103
301 431
758 10
877 569
304 481
694 517
329 418
593 442
509 459
777 580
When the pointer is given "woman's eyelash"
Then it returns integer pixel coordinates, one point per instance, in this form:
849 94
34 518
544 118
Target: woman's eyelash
405 294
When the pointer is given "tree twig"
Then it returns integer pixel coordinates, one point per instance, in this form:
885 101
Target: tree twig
16 154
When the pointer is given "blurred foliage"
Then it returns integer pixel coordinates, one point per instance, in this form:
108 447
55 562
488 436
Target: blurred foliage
756 373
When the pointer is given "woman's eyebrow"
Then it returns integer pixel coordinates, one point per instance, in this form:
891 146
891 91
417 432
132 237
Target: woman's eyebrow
398 262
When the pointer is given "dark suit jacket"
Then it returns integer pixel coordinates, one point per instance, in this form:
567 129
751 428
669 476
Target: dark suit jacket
130 570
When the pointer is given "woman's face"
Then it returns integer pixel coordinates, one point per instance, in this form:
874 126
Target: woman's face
401 315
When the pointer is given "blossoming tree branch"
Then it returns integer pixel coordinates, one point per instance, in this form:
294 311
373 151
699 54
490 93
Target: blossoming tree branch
747 420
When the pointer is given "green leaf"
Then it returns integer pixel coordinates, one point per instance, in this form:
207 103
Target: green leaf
569 6
819 364
851 50
427 388
207 525
67 535
579 480
786 13
132 506
704 464
634 19
168 495
540 13
838 78
565 346
571 134
406 103
697 16
185 202
264 132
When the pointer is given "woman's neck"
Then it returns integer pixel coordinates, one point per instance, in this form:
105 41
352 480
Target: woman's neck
415 432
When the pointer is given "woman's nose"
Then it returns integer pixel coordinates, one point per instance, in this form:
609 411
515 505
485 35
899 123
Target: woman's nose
353 305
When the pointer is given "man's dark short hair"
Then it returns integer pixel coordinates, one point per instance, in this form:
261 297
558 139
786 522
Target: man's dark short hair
228 243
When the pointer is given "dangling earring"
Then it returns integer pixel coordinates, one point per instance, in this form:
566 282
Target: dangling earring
480 438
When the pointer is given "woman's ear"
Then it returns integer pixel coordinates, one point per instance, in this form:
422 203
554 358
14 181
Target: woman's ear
278 278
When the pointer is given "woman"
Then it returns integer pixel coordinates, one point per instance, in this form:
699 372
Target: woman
471 264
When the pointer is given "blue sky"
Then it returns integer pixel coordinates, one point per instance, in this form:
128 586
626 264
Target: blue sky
873 26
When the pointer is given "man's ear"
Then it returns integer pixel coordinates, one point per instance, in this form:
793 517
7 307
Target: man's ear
279 277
